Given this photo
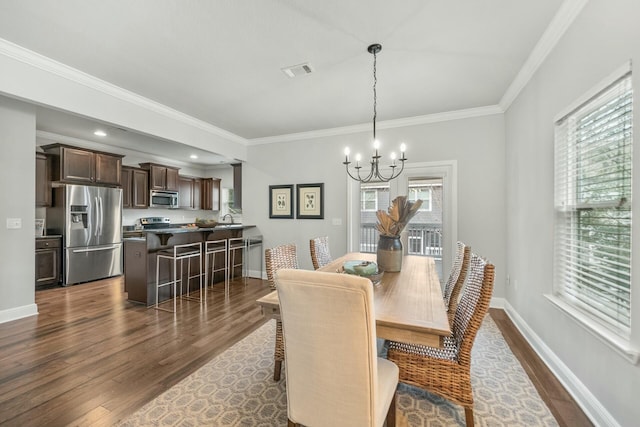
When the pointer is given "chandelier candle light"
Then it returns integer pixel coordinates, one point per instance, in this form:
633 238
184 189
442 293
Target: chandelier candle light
374 173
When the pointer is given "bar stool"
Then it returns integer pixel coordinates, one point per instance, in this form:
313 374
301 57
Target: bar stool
236 244
212 248
179 253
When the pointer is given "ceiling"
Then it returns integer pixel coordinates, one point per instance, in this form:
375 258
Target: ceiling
221 61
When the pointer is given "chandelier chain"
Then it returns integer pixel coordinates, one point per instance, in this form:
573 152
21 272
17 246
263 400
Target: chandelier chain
375 94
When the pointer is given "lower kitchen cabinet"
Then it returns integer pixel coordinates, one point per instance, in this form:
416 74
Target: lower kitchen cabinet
48 261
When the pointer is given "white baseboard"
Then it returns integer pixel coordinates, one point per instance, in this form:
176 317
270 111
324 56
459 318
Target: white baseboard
18 313
591 406
497 302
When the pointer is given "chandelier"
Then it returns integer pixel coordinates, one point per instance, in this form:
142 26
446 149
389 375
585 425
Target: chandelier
374 173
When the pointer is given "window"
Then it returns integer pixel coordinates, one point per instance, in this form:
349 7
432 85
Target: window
423 193
593 147
369 200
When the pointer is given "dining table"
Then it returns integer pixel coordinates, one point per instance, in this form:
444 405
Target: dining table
408 304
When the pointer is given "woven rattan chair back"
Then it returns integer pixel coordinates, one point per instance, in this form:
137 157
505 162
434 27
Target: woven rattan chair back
446 371
473 306
456 279
320 255
283 256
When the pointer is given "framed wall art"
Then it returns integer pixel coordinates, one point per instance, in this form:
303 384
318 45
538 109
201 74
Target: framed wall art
310 201
281 201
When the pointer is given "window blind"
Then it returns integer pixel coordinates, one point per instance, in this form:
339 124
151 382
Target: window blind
593 163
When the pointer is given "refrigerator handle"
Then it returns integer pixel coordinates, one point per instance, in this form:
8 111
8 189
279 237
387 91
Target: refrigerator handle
97 216
101 215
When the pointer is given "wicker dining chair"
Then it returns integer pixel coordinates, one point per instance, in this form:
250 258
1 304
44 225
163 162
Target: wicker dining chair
284 256
456 280
447 371
320 255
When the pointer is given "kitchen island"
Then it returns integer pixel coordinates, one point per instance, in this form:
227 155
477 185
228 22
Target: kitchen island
141 247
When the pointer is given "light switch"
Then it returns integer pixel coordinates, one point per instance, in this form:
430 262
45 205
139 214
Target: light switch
336 221
14 223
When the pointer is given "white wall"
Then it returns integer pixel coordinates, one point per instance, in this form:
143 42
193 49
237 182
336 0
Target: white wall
17 174
476 143
601 39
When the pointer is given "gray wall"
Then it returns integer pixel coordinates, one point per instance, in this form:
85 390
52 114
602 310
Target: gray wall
17 174
476 143
602 38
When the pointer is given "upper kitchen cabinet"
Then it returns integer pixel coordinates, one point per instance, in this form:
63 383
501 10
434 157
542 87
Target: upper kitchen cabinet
135 188
43 180
79 166
161 177
190 192
211 194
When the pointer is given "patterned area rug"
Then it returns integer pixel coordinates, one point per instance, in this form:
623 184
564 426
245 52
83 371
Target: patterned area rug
237 389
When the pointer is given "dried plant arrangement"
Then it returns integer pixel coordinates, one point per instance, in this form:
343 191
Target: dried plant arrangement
392 223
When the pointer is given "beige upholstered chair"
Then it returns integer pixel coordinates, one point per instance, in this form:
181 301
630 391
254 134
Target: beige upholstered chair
320 255
446 371
284 256
456 280
334 377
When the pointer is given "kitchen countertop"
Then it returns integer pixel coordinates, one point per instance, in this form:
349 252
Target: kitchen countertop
136 234
49 236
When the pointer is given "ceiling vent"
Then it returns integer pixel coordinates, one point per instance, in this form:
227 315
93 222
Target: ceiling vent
298 70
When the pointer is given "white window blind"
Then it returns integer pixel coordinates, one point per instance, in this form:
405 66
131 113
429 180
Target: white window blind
593 145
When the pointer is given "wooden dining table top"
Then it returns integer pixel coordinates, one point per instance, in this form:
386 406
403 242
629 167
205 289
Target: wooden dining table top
408 304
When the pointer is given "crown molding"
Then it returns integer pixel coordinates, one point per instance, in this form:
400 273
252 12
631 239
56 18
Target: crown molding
387 124
49 65
551 36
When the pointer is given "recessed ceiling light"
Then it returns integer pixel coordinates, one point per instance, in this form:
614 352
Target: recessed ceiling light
193 156
100 133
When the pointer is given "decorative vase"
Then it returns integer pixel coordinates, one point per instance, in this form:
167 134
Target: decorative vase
390 253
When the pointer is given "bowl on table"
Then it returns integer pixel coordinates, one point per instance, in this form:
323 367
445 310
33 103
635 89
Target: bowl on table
367 269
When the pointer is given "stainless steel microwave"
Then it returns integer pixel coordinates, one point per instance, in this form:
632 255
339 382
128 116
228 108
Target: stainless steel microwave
163 199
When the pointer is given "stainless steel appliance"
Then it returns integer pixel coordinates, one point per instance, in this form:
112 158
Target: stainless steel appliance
163 199
90 220
155 223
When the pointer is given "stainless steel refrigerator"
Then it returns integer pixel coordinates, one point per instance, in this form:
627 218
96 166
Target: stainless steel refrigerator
90 221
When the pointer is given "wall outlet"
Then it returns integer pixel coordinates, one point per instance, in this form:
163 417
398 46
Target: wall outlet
14 223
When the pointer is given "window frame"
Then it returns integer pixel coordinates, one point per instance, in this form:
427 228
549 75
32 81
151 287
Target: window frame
426 207
616 334
362 201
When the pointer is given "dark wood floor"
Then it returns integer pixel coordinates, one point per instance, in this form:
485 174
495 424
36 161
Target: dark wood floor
90 358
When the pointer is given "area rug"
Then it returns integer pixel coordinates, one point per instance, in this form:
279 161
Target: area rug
237 389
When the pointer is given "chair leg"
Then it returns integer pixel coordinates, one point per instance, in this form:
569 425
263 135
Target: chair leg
291 423
391 414
277 368
468 415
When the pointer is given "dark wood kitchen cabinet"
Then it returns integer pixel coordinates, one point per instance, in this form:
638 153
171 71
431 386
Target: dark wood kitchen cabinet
79 166
190 190
43 180
135 188
211 194
161 177
48 261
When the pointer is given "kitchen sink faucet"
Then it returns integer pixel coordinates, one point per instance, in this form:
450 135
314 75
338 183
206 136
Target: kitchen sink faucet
227 215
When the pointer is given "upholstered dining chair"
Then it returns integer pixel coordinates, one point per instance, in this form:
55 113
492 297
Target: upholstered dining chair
283 256
334 377
456 279
447 371
320 255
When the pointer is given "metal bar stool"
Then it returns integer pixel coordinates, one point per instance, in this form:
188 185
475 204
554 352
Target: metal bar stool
236 244
179 253
212 248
